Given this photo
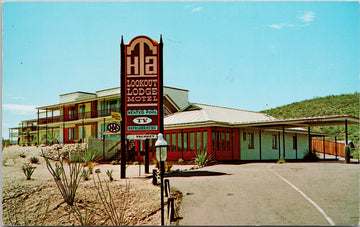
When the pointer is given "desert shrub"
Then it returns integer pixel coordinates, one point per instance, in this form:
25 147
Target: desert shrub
180 160
85 218
4 160
281 161
34 160
92 155
116 213
5 143
85 174
109 173
202 159
311 156
28 170
167 165
91 166
22 155
15 217
113 162
67 185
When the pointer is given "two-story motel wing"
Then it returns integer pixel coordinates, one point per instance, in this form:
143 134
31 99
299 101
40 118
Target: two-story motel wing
225 133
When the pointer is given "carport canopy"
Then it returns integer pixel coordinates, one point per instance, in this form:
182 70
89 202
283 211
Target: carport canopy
300 123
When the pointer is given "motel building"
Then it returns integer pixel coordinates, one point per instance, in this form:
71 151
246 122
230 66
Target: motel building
225 133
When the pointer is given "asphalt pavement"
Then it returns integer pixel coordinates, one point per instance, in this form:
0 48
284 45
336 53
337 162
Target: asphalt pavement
322 193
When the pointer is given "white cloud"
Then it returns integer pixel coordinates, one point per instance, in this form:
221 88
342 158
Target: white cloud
276 26
19 109
279 26
198 9
17 98
307 17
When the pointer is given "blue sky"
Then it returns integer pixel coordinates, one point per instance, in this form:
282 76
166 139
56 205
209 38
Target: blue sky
245 55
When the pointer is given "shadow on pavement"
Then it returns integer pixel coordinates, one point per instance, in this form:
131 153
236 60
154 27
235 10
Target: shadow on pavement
196 173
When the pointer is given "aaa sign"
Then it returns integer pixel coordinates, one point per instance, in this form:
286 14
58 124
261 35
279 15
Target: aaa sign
142 86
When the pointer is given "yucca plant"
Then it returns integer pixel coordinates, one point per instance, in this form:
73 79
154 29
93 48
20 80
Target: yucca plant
85 174
28 170
34 160
109 173
57 171
202 159
92 156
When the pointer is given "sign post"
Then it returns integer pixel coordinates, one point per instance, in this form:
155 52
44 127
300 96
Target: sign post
141 91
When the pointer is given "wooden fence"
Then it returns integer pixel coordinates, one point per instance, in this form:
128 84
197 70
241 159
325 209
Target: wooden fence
330 147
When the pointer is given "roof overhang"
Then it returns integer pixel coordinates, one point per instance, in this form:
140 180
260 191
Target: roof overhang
296 125
303 122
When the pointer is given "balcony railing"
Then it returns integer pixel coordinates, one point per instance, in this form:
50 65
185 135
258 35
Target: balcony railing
78 116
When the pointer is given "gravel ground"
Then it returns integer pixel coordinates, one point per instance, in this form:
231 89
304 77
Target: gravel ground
25 200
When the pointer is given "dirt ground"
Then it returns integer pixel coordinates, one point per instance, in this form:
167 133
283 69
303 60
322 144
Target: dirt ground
38 201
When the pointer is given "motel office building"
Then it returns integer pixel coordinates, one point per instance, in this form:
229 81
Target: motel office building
227 134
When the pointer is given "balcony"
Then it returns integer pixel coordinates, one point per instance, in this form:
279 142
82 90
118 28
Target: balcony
78 116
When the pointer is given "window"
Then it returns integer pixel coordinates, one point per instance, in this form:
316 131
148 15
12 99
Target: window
179 142
192 141
82 132
112 104
185 141
173 141
223 144
251 140
228 140
295 142
214 140
205 141
198 141
82 110
244 136
274 142
167 138
71 133
71 112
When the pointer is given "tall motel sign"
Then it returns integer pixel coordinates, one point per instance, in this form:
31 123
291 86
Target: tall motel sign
141 79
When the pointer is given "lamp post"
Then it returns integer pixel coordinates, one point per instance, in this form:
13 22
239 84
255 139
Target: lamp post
161 155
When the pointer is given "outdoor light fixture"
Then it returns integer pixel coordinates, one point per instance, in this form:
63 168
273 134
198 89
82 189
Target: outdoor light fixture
161 147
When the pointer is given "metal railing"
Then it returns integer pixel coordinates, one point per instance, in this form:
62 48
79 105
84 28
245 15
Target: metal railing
78 116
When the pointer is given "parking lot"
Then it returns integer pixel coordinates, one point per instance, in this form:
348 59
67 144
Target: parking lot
323 193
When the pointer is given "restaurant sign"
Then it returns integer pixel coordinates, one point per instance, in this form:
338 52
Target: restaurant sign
142 86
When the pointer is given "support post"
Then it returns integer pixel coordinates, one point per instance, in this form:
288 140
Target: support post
324 146
283 128
346 132
122 96
46 127
103 139
260 143
310 145
161 91
63 132
296 147
162 190
38 127
147 150
279 144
